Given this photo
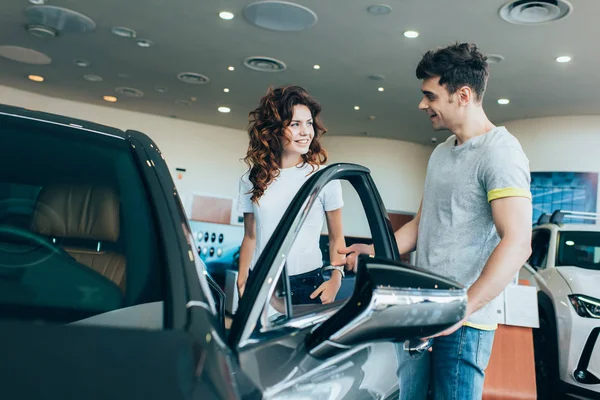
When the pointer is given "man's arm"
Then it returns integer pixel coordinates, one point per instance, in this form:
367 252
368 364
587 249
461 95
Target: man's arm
512 217
406 237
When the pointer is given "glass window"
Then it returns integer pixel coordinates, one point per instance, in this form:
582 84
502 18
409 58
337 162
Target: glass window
297 291
579 249
77 235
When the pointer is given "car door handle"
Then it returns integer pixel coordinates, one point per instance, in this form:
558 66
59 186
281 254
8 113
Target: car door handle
416 347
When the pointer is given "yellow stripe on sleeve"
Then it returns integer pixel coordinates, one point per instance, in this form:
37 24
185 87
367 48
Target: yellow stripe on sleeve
482 327
508 192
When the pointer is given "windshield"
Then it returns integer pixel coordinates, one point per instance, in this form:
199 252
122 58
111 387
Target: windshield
77 235
579 249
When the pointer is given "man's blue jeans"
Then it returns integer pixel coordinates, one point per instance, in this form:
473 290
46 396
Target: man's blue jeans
454 370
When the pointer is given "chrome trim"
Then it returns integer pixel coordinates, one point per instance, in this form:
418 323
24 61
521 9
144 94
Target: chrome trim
304 321
72 126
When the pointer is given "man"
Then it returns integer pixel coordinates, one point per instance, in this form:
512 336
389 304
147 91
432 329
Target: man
473 224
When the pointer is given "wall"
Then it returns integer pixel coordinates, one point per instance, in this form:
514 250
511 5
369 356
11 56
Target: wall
212 154
560 143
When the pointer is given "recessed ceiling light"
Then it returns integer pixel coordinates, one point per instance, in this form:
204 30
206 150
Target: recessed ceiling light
224 109
563 59
82 63
226 15
494 58
316 66
356 108
37 2
570 243
36 78
92 78
110 99
503 101
144 43
381 89
411 34
231 68
161 89
226 90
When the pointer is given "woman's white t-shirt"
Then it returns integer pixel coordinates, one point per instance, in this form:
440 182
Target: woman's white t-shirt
305 254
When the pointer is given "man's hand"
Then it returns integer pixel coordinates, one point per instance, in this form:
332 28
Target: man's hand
328 289
351 253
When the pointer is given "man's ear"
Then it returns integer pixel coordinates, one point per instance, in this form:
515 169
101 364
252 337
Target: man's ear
465 95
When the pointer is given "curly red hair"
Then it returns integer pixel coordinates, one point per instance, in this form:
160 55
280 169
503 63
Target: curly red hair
267 135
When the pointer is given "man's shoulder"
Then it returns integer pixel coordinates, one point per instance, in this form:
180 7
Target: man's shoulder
501 137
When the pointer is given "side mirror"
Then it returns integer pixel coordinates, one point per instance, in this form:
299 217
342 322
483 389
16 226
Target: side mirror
391 301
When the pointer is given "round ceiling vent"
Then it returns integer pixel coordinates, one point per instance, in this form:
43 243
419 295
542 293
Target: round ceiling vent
376 77
379 9
130 92
280 16
494 58
533 12
41 31
124 32
264 64
193 78
59 19
24 55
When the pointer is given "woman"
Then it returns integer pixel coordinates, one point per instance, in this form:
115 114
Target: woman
284 150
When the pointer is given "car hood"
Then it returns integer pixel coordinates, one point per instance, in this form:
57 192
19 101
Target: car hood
581 280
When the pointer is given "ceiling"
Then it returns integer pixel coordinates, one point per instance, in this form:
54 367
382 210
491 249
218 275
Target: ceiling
348 43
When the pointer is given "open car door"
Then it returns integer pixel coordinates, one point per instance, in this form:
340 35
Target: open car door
342 350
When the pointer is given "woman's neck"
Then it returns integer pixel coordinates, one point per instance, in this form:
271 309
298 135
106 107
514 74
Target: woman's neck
290 160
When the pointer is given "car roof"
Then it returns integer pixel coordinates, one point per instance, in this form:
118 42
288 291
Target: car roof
570 227
74 124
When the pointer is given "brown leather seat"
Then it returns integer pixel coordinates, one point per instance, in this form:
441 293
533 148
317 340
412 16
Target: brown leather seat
90 214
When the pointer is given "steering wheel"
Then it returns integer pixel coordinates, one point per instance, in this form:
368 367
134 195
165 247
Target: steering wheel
39 240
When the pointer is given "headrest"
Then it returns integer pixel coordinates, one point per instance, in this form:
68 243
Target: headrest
82 212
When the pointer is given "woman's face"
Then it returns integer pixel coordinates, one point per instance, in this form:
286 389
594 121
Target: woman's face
300 132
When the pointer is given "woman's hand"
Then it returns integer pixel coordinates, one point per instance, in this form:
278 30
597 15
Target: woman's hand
328 289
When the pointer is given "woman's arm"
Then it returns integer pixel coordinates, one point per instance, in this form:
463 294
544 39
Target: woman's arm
246 251
328 290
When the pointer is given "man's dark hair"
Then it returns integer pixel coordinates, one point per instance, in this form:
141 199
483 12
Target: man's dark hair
457 65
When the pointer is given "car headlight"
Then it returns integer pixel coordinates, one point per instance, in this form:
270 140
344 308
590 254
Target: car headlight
585 306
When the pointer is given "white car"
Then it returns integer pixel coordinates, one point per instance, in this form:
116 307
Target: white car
565 268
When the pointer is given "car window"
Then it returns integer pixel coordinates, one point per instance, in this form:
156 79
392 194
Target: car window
77 234
579 249
305 272
540 247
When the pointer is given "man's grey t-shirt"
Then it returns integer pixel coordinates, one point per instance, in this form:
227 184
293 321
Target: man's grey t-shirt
457 234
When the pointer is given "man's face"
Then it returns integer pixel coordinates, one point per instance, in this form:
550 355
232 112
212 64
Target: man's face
441 107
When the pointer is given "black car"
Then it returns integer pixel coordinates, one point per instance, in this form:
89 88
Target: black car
103 295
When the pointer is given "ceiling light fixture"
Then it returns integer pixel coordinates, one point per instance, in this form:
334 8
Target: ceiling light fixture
92 78
82 63
411 34
145 43
110 99
224 109
226 15
563 59
316 66
36 78
503 101
226 90
231 68
356 108
37 2
381 89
